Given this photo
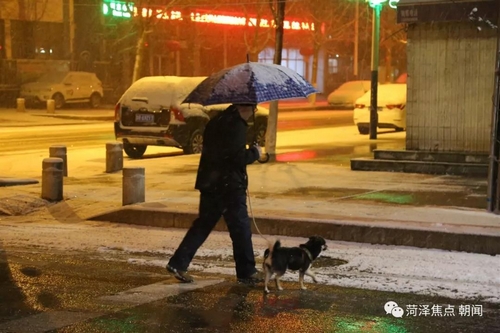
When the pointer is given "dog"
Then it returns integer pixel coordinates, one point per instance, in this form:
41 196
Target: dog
278 259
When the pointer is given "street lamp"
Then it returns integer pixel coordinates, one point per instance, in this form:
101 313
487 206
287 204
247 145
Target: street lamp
377 8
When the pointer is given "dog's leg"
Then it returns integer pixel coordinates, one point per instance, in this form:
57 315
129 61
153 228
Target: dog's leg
277 279
310 273
301 280
266 281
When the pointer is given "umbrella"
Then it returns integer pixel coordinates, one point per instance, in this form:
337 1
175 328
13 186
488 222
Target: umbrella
250 83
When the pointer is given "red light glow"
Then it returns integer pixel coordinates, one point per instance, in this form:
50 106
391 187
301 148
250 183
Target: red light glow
296 156
223 19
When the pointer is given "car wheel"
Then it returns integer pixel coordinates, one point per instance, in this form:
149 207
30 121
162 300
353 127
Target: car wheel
260 134
58 100
195 144
134 151
95 100
363 130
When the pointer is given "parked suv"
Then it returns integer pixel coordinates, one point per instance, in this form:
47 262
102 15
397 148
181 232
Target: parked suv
64 87
150 113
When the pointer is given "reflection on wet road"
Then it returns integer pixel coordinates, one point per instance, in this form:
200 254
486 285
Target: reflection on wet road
228 307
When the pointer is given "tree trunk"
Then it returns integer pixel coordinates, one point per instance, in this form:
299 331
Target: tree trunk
314 75
272 122
138 57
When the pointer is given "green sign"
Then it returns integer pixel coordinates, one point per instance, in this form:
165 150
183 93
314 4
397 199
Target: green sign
117 8
374 3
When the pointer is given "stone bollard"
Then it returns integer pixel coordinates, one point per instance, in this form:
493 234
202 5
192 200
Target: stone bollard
20 105
52 179
114 156
60 152
51 107
133 186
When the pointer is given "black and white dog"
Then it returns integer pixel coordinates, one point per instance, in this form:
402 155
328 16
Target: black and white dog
278 259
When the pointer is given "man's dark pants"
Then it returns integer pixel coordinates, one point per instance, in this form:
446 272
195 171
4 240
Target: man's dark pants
233 207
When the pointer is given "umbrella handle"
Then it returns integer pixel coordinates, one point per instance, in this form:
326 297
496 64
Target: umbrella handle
265 159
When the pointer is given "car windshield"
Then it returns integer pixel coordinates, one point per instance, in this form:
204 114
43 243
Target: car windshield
54 77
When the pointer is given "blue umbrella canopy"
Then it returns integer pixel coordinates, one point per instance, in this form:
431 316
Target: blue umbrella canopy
250 83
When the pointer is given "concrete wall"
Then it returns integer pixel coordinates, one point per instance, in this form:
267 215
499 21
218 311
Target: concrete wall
450 87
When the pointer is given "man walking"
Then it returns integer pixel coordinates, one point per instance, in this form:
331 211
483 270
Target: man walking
222 181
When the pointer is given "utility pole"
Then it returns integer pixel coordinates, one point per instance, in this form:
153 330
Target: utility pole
356 39
377 7
493 176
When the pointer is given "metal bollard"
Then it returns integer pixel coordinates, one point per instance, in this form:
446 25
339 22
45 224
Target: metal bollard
114 156
51 107
52 179
21 105
133 186
60 152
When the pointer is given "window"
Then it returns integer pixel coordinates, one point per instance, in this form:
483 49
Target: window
333 66
37 40
290 58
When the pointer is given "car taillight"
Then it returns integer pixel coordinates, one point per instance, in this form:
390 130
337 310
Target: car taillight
359 106
117 112
395 106
177 114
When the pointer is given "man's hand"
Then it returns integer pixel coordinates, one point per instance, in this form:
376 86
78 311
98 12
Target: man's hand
259 149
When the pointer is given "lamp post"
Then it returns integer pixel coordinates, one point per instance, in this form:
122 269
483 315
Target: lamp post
377 8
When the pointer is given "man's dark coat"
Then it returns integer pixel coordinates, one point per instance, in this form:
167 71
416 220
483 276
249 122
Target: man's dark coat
224 156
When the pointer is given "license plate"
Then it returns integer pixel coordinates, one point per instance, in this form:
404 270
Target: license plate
144 118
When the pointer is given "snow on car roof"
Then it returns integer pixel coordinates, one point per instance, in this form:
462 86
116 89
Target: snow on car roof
162 90
386 94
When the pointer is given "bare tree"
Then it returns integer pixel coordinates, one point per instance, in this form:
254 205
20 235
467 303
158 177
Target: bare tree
255 36
145 14
333 22
392 41
278 10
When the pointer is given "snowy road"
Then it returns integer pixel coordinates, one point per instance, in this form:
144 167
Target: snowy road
383 268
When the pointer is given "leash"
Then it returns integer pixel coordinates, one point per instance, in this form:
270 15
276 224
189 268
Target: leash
253 217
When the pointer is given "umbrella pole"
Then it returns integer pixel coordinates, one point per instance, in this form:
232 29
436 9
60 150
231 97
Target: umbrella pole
265 158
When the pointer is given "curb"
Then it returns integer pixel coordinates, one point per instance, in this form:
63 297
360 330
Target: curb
4 182
333 230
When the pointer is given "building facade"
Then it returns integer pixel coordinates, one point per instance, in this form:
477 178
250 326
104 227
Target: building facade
451 69
35 37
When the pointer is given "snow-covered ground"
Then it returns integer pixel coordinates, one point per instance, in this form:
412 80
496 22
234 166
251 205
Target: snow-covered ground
387 268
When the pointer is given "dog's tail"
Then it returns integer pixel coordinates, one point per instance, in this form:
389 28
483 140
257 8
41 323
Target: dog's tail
268 255
272 247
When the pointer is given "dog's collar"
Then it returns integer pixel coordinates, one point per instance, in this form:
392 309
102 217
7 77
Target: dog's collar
307 252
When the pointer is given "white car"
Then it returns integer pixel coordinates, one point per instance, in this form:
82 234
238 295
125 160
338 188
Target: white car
64 87
391 108
151 113
346 95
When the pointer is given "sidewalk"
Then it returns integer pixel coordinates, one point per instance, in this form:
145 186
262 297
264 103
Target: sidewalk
290 199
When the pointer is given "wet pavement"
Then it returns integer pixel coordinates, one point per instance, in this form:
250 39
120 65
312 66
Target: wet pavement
228 307
71 286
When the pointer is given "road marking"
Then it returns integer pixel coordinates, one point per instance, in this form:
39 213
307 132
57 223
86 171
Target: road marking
53 320
154 292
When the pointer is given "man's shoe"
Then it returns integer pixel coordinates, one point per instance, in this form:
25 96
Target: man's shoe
253 279
180 275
